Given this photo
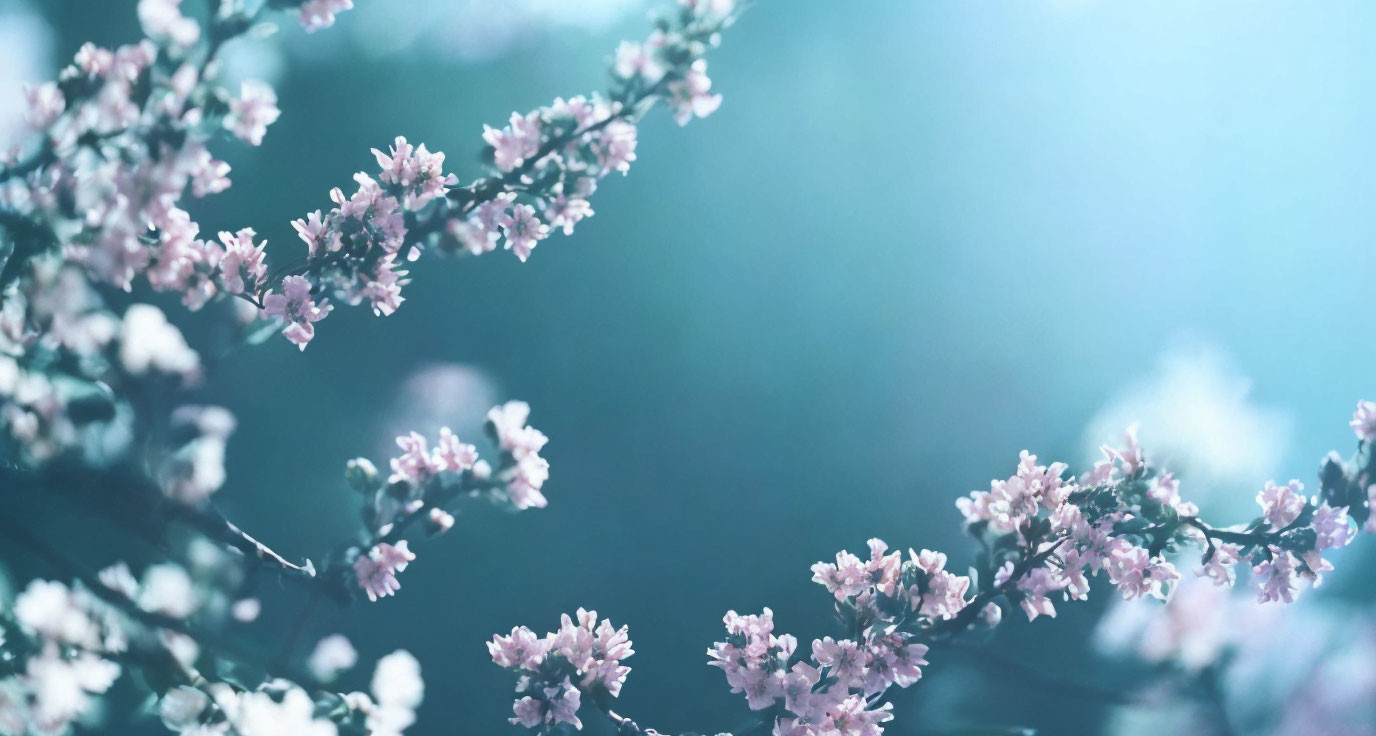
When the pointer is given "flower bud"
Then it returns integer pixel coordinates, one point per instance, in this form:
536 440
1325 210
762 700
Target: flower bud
482 470
440 520
361 475
990 615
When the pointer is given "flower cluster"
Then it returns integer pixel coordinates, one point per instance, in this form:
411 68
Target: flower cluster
835 690
67 645
1043 535
70 645
426 482
136 123
546 164
94 384
549 161
62 351
520 444
377 570
318 14
124 135
280 707
353 249
559 671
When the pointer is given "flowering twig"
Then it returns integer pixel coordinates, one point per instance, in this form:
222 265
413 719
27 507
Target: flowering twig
1042 537
89 395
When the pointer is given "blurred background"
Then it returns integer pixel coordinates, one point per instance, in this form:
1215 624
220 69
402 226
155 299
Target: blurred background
916 239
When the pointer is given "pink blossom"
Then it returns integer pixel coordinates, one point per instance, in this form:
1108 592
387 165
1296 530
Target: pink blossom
318 14
844 579
563 702
944 596
1274 578
1281 505
377 570
691 96
854 717
209 176
797 687
252 112
529 712
1129 456
1073 564
416 170
45 104
296 306
244 264
506 422
1364 420
1332 528
512 145
164 19
592 649
1034 585
1219 567
312 232
415 464
471 235
383 291
844 659
523 230
522 649
615 147
524 489
566 210
637 60
451 454
1137 573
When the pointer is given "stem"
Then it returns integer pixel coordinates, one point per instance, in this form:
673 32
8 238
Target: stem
143 499
298 627
208 520
1213 534
153 620
38 160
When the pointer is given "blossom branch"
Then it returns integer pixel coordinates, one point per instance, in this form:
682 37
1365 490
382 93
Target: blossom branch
1042 536
87 394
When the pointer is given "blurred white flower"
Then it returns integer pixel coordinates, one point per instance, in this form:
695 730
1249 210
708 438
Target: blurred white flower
396 681
148 342
56 613
168 590
181 708
1196 418
332 655
62 687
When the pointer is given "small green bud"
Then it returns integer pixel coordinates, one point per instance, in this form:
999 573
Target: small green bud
361 475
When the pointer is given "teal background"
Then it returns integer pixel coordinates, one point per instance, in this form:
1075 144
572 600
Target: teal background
917 238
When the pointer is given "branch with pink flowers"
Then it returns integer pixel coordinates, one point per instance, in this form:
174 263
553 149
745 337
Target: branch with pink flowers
122 221
92 399
1042 537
